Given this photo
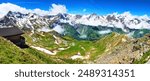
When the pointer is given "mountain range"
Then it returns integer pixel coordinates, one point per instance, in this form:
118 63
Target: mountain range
69 38
88 27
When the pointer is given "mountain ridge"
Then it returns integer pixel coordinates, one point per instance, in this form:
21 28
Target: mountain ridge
65 23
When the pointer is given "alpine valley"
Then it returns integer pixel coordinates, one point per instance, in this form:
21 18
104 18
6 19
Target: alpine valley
70 38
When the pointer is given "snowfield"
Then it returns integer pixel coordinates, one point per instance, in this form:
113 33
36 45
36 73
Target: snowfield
44 50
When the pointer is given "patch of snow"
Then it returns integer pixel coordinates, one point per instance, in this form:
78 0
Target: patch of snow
61 49
77 57
44 50
54 36
57 40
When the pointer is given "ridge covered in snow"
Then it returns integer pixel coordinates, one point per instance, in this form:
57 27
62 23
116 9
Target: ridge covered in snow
124 21
78 25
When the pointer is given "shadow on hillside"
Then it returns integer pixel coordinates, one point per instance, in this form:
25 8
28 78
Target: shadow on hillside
23 46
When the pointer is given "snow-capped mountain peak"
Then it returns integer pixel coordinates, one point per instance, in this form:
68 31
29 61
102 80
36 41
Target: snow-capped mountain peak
124 21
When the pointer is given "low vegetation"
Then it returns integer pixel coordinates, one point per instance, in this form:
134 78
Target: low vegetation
144 58
10 53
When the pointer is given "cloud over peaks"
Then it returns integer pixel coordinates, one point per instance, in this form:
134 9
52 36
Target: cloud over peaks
55 9
6 7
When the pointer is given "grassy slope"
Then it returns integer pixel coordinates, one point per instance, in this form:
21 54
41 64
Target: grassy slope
9 53
76 46
108 42
92 48
46 41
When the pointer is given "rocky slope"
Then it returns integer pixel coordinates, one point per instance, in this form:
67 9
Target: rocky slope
126 51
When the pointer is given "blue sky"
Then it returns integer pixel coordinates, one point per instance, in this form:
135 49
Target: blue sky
102 7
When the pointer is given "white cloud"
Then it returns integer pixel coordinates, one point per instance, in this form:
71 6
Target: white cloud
84 10
126 14
104 31
40 12
83 36
6 7
58 9
58 29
